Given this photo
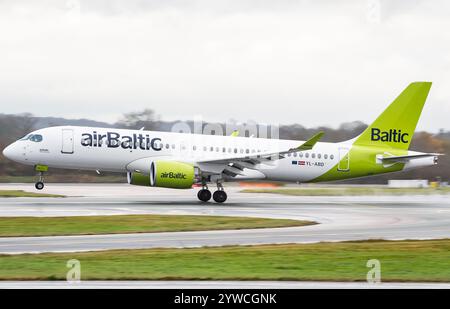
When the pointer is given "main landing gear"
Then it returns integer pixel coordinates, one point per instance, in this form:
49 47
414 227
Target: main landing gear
204 195
219 196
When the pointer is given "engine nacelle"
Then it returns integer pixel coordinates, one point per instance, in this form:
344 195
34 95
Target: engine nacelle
166 174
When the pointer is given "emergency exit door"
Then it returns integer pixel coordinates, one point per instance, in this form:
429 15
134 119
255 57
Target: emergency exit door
344 160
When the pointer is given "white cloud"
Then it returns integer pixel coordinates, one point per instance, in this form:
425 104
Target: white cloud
309 62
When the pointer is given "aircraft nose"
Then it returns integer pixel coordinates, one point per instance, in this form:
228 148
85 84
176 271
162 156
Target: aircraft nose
10 152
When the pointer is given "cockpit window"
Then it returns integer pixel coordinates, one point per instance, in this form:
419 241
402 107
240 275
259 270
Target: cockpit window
36 138
32 137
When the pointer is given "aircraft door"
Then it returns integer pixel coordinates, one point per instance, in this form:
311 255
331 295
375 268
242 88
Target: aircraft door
344 160
67 141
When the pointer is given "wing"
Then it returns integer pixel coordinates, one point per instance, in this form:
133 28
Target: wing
235 166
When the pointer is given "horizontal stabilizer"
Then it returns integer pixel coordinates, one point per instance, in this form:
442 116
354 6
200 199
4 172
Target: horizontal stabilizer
406 158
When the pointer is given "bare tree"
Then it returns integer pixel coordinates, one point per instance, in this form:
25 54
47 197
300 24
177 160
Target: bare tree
25 123
137 120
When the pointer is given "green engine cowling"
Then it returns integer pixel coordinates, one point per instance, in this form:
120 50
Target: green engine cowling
166 174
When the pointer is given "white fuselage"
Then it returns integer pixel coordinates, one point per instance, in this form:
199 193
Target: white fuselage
70 147
118 150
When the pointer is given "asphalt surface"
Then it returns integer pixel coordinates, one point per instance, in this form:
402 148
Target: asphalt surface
340 218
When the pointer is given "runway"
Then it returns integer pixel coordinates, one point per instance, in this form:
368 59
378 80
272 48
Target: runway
341 218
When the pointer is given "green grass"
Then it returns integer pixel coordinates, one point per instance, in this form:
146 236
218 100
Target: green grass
338 191
425 261
84 225
21 193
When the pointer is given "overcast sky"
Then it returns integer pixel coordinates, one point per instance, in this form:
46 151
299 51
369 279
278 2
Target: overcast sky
307 62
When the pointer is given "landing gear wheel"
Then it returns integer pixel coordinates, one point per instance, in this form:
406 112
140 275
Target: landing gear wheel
220 196
39 185
204 195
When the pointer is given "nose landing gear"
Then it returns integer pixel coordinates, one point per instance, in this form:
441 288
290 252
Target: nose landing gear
39 185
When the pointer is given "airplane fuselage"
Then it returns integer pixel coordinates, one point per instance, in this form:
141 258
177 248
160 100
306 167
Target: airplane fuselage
113 150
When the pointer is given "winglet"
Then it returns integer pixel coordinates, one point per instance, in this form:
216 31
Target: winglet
235 133
309 144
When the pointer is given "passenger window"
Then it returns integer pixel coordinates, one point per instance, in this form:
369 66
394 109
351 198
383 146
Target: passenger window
319 156
194 147
331 157
294 154
313 155
300 154
325 156
307 155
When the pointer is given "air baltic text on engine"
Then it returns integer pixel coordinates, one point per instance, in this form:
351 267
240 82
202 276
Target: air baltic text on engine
393 135
173 175
115 140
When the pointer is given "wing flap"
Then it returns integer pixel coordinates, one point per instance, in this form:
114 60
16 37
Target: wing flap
234 166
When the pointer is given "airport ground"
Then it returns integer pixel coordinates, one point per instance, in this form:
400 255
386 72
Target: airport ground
313 252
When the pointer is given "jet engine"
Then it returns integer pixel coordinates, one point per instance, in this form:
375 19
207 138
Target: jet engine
166 174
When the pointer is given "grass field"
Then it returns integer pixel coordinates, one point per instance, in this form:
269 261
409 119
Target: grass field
21 193
337 191
84 225
425 261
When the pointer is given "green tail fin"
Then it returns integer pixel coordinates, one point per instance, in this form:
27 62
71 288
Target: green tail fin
395 126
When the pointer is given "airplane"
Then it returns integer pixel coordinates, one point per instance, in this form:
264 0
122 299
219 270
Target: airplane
180 160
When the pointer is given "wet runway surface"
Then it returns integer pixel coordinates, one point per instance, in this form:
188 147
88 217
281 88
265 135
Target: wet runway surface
341 218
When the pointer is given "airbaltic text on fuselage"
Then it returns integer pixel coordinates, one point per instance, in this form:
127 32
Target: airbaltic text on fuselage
115 140
392 135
